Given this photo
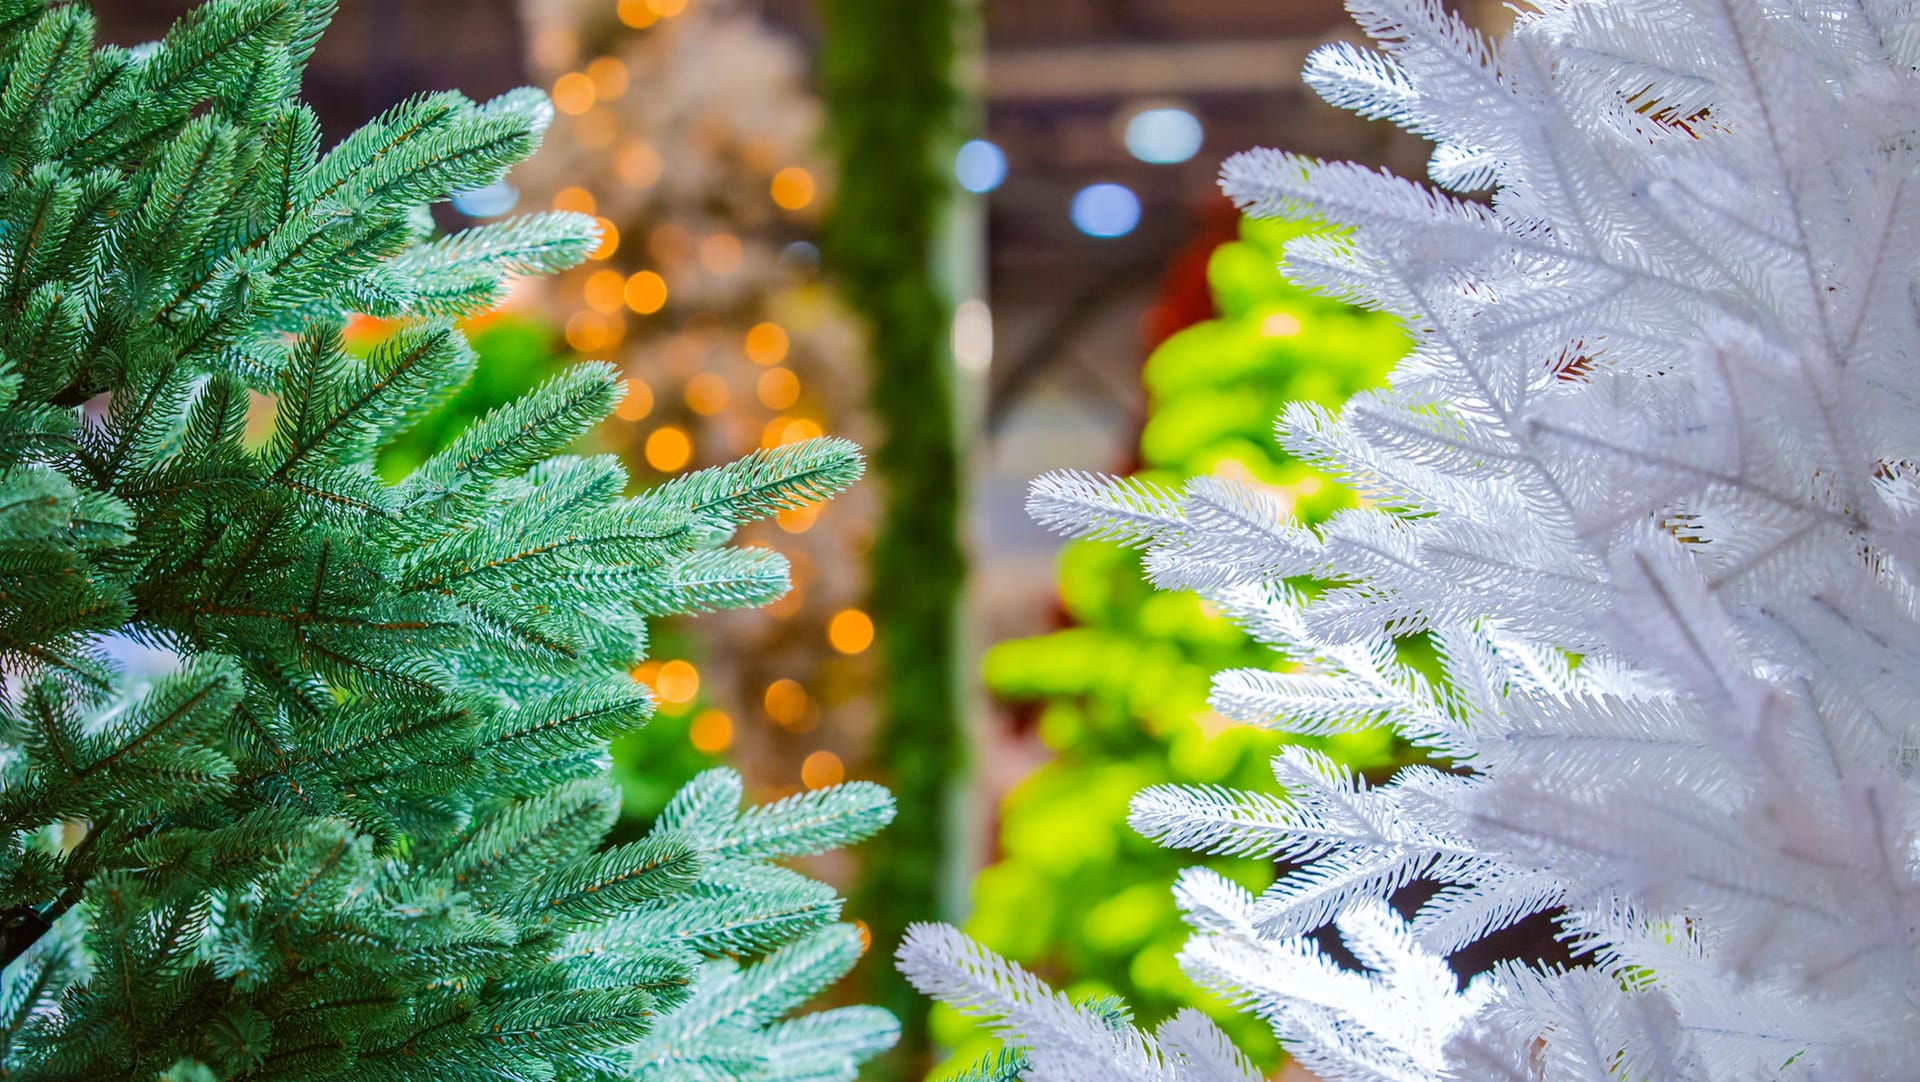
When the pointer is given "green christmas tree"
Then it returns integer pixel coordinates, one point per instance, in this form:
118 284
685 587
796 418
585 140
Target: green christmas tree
352 825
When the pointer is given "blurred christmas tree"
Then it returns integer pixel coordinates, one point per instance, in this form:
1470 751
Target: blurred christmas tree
1119 697
689 131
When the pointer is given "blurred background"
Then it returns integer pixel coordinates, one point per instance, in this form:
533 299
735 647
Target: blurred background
982 239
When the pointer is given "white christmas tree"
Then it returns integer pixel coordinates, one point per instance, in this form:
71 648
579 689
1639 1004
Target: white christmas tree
1650 485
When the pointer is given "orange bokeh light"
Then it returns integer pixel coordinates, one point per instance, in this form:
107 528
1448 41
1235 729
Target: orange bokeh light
767 343
576 199
573 93
668 449
638 402
602 290
711 732
646 292
778 388
609 239
792 188
707 394
821 769
850 631
677 682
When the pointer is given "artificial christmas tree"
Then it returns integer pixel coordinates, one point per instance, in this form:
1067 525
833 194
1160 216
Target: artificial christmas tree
1647 483
352 826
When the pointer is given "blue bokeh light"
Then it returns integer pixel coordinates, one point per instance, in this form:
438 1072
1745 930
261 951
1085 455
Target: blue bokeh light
1106 210
980 166
489 202
1163 136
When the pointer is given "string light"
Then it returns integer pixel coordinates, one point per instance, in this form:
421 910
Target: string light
766 343
778 388
646 292
667 449
711 732
667 9
821 769
707 394
638 402
677 682
792 188
850 631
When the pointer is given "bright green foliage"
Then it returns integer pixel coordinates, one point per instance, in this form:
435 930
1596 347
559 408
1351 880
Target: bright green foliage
354 827
1121 696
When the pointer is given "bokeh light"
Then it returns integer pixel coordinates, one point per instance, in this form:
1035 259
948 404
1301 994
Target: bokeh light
821 769
766 343
668 449
720 253
637 403
850 631
609 239
778 388
980 166
792 188
677 681
711 732
1106 210
573 93
786 703
707 394
609 77
578 200
646 292
603 290
1163 136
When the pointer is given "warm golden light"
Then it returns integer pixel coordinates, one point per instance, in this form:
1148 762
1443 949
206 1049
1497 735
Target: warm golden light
778 388
603 289
638 402
786 703
578 200
711 732
638 163
668 449
677 682
573 93
645 672
707 394
721 253
667 9
797 519
589 331
766 344
821 769
792 188
850 631
609 77
636 13
646 292
609 239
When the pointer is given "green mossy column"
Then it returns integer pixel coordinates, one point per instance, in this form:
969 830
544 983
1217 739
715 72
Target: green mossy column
887 74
